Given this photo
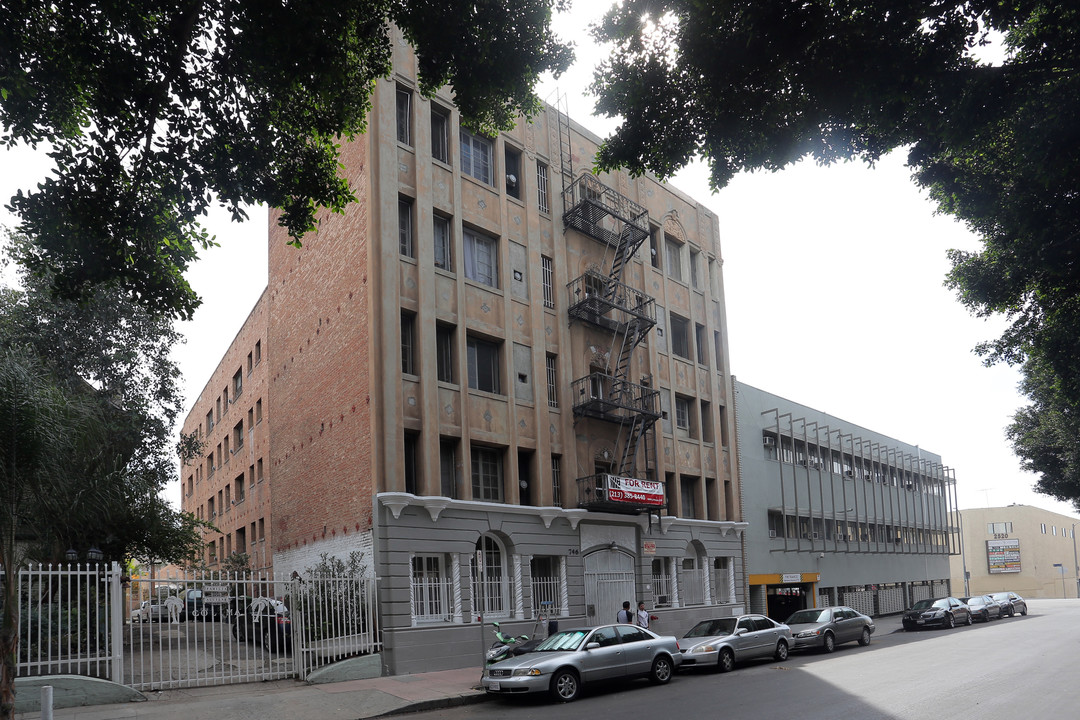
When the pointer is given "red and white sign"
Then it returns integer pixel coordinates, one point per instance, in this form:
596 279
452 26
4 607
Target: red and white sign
635 491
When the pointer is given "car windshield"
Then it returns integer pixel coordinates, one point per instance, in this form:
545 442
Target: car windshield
813 615
565 640
973 601
925 605
709 628
1000 596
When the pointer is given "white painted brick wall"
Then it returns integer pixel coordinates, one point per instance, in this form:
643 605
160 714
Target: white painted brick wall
305 556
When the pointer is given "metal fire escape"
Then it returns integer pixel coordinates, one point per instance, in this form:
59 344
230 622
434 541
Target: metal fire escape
605 301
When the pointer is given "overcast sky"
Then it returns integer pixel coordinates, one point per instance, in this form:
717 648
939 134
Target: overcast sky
833 280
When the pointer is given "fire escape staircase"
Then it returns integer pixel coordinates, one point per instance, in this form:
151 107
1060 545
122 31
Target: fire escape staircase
605 301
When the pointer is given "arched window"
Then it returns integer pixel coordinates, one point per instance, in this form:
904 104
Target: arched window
489 589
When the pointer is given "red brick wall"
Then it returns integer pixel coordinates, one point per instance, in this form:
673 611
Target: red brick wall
319 384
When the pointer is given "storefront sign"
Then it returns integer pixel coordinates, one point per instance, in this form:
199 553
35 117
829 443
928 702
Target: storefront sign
791 578
648 547
1003 556
635 491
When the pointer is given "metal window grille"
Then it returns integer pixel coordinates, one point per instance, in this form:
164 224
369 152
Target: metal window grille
548 279
542 187
556 480
552 382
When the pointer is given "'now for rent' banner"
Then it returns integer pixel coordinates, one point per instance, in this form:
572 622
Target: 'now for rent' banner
635 491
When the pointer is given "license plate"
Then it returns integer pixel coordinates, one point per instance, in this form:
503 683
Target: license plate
494 686
920 621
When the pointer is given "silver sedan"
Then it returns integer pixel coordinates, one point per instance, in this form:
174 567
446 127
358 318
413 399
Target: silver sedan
569 659
722 642
828 627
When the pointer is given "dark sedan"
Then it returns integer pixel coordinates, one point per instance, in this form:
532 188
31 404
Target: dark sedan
943 612
263 620
1011 603
827 627
984 607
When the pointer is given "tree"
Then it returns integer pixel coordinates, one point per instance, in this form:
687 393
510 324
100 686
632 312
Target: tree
762 85
155 109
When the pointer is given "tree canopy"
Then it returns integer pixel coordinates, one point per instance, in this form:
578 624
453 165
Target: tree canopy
762 85
153 110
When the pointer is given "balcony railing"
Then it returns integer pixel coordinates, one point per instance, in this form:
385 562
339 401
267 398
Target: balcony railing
606 397
603 301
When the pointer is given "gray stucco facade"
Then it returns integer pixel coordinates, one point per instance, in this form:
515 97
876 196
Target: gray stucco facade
837 513
583 563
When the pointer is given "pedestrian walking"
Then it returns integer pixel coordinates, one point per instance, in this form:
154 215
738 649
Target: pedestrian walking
626 615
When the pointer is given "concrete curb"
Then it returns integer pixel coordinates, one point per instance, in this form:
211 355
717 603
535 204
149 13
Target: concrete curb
469 698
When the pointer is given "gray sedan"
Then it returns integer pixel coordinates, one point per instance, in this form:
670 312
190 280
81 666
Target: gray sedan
722 642
569 659
828 627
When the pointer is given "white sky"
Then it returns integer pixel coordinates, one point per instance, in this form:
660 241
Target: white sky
833 280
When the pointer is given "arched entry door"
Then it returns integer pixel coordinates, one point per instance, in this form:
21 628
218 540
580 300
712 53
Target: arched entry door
609 581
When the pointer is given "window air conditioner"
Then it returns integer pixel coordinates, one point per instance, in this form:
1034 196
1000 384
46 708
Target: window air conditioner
772 533
768 441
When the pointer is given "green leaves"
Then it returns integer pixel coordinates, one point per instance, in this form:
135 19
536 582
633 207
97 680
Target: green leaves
156 109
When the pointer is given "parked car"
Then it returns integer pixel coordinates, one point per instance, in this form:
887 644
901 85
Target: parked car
1011 603
723 642
263 620
827 627
570 659
983 607
946 612
149 612
195 607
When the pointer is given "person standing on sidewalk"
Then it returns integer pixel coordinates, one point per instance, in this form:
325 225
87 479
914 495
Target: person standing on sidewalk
643 616
625 615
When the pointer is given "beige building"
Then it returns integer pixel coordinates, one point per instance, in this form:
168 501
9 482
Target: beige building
1021 548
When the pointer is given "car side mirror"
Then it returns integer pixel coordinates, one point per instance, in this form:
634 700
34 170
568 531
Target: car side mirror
592 646
740 631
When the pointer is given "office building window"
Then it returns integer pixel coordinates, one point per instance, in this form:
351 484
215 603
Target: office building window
682 413
440 134
483 365
512 168
481 259
432 590
702 344
476 156
408 343
412 483
547 274
552 381
542 187
673 257
556 481
695 269
404 115
448 468
405 227
441 242
680 336
487 475
444 352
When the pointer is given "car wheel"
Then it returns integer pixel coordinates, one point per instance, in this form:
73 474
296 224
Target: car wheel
1012 611
950 622
781 651
1024 611
864 639
726 661
970 620
661 670
828 643
565 685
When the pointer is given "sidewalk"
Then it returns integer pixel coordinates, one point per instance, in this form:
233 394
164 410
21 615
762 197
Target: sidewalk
290 699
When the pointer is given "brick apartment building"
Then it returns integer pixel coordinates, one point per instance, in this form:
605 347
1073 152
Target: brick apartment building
502 378
229 485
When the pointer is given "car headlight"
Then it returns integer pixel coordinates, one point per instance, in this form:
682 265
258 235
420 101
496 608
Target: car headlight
524 672
808 633
704 649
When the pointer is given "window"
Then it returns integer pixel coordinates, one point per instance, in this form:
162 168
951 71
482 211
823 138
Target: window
483 365
680 336
998 528
546 575
258 411
489 580
481 259
702 345
487 475
251 475
556 481
441 242
476 156
548 279
228 499
512 166
444 352
440 134
238 488
259 470
654 251
448 468
695 267
408 343
552 382
225 405
250 364
238 436
209 421
687 500
673 257
716 347
542 187
218 413
258 351
405 228
432 590
1043 525
404 115
411 481
682 413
